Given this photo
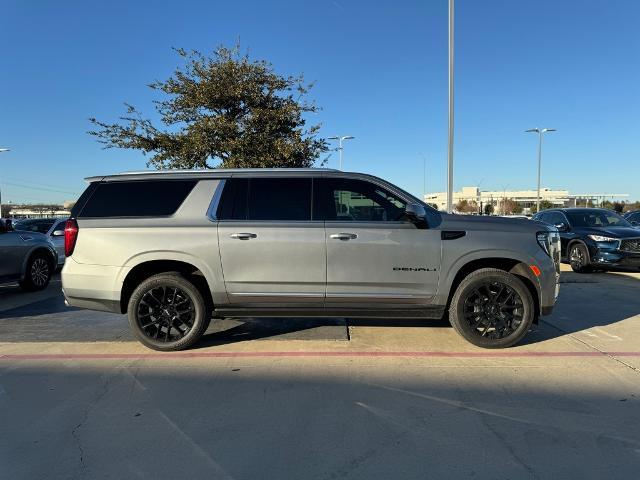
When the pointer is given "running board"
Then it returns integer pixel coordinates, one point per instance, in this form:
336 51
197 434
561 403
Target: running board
430 312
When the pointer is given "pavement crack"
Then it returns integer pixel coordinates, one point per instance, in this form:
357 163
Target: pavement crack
592 347
75 432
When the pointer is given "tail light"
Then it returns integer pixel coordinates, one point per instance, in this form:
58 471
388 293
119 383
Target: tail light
70 236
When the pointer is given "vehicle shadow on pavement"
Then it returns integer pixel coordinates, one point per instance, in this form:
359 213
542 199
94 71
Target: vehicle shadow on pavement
586 301
589 300
227 331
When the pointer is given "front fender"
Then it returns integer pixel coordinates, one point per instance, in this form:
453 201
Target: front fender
451 267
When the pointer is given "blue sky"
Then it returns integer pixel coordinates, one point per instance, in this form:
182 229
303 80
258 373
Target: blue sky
380 70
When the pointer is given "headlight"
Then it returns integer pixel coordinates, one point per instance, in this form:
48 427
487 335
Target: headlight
600 238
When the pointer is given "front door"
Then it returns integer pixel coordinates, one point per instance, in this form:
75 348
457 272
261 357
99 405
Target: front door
273 253
12 251
375 256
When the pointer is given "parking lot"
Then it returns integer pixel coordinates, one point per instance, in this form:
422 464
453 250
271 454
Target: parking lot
286 398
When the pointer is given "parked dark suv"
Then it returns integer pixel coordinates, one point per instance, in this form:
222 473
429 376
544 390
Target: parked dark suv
594 238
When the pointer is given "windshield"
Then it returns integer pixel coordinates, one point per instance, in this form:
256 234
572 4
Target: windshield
596 218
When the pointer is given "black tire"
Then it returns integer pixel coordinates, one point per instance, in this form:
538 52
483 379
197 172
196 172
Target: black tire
38 273
492 308
579 258
167 312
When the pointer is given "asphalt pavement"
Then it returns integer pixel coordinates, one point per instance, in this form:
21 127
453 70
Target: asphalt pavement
323 398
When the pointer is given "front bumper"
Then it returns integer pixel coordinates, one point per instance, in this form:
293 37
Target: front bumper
615 258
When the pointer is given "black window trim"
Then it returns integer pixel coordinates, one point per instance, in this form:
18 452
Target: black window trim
315 177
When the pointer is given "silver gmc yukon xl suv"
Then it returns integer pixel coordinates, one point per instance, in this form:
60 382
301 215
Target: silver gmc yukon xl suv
174 249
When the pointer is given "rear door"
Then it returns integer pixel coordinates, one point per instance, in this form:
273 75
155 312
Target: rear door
375 256
272 249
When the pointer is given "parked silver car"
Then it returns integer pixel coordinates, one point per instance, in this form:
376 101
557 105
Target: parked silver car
175 248
28 257
52 227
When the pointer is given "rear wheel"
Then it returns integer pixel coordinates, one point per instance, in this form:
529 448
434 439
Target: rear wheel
167 312
579 258
492 308
38 273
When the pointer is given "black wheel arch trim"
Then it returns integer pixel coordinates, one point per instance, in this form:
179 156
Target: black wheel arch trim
583 243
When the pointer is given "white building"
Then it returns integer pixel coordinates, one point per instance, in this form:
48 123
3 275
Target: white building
37 211
525 198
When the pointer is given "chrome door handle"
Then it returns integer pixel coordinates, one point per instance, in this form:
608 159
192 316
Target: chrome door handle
343 236
243 236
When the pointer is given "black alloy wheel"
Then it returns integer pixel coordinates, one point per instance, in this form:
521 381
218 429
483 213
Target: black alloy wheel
165 313
168 312
579 258
492 308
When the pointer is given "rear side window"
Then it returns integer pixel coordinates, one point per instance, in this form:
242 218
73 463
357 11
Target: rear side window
277 199
136 198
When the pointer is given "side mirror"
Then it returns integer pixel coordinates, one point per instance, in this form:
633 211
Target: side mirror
562 227
416 213
57 233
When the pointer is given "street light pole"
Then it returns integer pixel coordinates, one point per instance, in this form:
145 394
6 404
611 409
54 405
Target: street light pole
2 150
340 140
450 149
540 132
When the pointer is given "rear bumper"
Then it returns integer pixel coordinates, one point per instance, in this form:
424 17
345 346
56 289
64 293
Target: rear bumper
94 287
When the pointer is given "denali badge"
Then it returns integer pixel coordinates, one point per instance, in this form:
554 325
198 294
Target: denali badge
413 269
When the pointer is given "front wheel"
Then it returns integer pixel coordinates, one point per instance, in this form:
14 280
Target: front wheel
492 308
579 258
167 312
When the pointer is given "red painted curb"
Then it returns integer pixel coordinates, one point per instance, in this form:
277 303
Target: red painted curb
123 356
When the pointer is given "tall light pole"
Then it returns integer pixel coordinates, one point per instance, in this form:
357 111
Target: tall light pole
2 150
450 151
540 132
340 140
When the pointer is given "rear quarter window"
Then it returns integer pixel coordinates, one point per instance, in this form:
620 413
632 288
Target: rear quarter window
136 198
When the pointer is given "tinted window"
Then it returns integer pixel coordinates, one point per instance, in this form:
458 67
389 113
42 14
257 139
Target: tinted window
360 201
137 198
86 195
554 218
541 217
596 218
41 226
233 203
266 199
634 217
